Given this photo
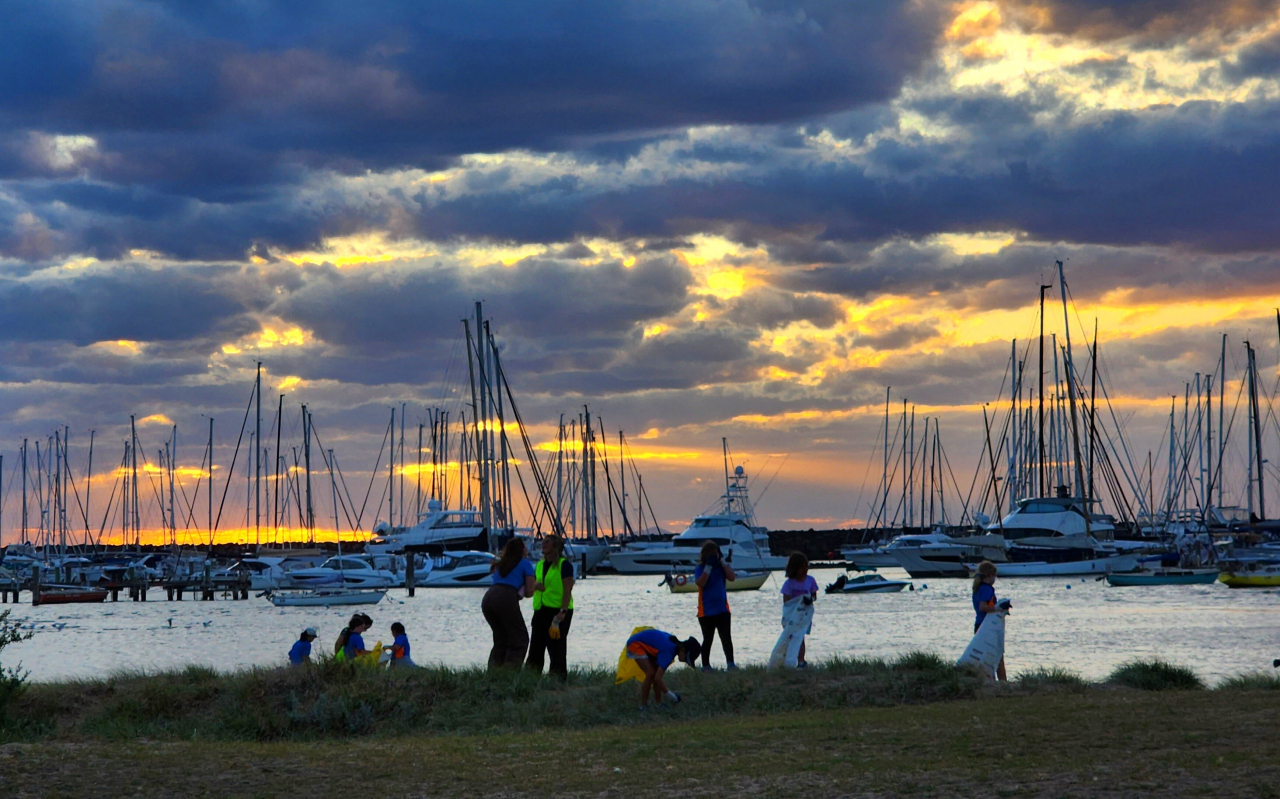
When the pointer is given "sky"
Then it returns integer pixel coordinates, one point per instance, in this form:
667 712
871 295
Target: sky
703 219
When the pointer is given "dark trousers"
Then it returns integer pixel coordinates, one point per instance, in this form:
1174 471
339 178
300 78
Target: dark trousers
710 626
501 608
540 640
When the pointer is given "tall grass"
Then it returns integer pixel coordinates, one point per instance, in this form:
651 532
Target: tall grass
1155 675
330 699
1259 681
1051 678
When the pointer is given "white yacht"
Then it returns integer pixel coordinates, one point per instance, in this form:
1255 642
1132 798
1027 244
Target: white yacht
450 529
936 554
350 571
1048 536
733 528
456 570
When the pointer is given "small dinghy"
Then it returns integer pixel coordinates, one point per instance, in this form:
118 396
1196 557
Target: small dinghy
866 584
67 595
324 597
685 584
1164 577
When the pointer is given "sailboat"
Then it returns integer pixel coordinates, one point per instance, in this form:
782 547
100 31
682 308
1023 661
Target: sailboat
732 527
328 595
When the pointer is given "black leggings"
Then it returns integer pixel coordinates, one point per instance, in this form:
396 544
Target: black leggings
540 639
501 608
710 626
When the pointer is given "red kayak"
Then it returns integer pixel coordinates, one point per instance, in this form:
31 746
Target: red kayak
67 596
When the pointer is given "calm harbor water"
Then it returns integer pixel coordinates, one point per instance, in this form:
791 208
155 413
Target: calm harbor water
1082 625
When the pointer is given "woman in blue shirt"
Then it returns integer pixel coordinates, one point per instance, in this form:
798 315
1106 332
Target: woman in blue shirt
984 602
713 603
513 580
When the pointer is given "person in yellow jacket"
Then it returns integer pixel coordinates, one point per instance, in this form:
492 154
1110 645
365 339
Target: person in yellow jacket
552 609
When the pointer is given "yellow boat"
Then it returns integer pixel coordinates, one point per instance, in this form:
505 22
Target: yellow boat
1252 575
684 583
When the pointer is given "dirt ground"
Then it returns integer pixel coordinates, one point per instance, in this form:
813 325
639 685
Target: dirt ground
1097 743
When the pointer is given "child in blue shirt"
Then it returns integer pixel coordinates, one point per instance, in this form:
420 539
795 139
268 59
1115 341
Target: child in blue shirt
984 602
301 652
400 648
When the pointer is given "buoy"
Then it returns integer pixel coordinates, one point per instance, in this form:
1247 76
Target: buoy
681 579
923 586
1068 586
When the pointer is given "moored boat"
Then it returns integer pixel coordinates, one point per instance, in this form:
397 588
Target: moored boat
324 597
746 581
1164 577
67 595
1251 574
866 584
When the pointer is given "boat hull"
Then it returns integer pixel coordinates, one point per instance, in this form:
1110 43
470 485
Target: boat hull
1116 563
922 562
1196 577
71 597
327 599
667 561
745 582
1249 580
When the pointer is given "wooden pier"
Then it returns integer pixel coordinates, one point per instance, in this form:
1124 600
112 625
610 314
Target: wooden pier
203 588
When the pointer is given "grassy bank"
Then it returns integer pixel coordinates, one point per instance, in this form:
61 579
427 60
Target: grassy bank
331 700
1095 742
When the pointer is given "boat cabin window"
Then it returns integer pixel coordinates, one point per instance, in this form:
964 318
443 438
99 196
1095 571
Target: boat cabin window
698 542
714 522
456 520
1042 507
1018 533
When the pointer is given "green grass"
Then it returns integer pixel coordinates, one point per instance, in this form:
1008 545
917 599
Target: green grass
336 700
1155 675
1051 678
1110 742
1260 681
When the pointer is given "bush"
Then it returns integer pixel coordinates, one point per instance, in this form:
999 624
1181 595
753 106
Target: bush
1051 678
1155 675
1260 681
12 680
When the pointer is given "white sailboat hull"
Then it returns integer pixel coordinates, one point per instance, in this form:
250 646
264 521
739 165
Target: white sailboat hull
1115 563
327 598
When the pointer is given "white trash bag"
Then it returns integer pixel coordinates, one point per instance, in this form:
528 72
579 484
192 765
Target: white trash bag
797 615
986 650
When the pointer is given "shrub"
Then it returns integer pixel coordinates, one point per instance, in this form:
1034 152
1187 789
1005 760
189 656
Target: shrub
1155 675
1051 678
12 680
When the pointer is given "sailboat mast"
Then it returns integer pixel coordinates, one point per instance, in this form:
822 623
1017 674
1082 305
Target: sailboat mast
1222 402
1069 365
1257 430
257 458
210 498
1040 452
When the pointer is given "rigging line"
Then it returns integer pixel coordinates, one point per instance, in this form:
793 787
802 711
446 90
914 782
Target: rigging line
231 470
373 476
964 505
342 479
765 490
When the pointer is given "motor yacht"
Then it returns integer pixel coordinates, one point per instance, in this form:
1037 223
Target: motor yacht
351 571
937 554
1058 536
742 543
449 529
456 570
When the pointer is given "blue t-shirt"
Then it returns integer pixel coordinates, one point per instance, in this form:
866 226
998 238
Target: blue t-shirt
355 644
985 593
401 645
713 598
300 653
516 578
659 645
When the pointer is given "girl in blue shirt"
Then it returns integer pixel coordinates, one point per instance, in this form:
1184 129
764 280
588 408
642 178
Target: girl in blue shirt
713 603
984 602
513 580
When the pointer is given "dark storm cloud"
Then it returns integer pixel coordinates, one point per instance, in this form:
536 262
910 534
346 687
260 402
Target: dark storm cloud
769 308
129 302
396 310
1260 59
393 83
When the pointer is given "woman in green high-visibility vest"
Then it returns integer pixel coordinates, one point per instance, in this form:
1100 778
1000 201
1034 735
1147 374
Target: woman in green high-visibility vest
552 609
